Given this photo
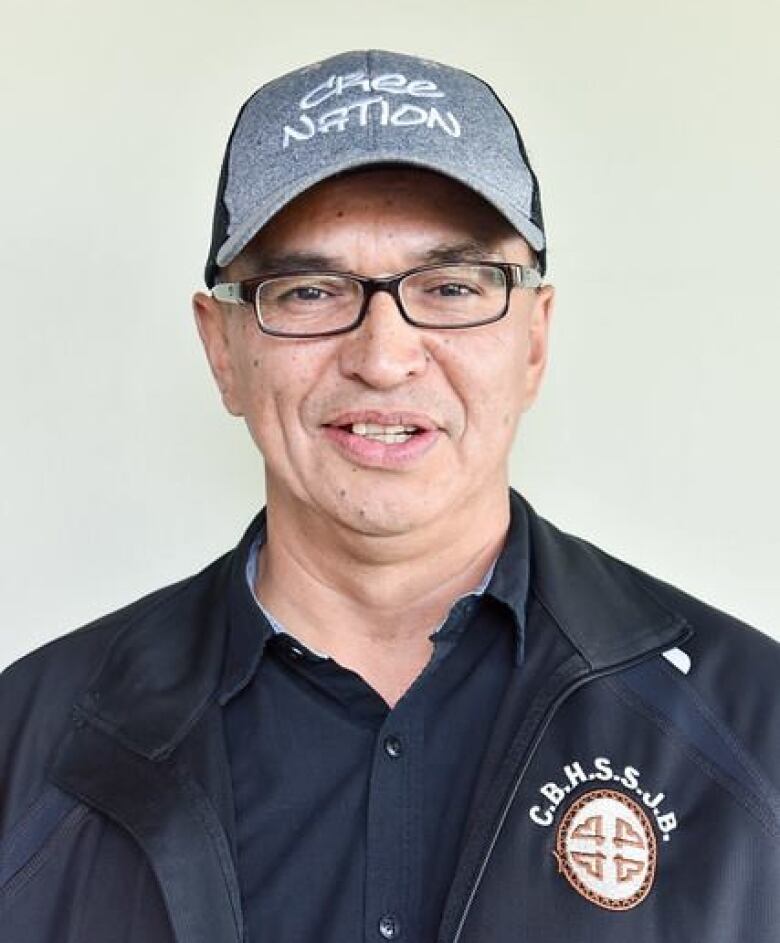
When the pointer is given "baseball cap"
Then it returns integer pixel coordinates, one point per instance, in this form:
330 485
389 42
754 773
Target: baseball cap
364 108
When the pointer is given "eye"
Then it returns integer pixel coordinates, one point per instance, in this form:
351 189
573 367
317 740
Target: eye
305 293
453 290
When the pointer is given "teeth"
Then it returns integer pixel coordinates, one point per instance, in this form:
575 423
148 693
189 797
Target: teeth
374 429
389 435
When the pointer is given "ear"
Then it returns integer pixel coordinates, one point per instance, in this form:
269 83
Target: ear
538 342
212 321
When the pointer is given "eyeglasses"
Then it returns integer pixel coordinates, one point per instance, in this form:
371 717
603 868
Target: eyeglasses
320 304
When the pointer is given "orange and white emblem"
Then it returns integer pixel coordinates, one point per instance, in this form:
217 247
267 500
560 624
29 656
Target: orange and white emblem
606 849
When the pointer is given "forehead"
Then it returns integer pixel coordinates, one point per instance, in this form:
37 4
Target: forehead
392 203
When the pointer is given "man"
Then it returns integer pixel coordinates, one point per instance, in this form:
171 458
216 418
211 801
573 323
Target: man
405 707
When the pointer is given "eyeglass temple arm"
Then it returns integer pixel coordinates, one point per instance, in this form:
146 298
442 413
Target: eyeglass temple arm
229 292
527 277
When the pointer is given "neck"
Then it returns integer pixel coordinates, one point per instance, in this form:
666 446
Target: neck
371 602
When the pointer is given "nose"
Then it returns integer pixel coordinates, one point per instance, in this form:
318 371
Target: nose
384 351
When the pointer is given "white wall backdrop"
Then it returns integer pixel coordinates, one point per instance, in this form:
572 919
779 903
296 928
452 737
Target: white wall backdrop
654 129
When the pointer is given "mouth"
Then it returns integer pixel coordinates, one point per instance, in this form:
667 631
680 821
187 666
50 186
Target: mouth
383 440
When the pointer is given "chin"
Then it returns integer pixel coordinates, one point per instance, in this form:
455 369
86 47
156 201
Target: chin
378 520
379 513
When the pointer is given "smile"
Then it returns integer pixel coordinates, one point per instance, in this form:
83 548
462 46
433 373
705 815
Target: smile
396 443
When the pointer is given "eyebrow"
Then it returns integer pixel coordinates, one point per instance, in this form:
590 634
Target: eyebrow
470 250
293 262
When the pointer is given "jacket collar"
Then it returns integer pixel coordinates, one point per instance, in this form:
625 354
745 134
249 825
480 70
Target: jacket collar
163 666
168 662
606 608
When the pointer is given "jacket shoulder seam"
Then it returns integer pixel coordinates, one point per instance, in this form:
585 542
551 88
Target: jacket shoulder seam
761 800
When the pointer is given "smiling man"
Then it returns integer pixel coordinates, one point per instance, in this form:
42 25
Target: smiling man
405 706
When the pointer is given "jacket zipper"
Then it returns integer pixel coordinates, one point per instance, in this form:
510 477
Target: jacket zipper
544 724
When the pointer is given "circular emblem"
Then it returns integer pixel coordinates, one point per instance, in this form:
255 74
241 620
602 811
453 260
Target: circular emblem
606 849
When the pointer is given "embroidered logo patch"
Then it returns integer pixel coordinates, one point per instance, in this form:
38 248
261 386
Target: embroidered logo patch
606 849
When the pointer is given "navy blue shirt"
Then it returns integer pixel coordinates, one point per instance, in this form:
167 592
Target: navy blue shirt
350 814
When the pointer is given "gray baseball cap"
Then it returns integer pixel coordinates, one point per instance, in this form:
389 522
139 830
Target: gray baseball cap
359 109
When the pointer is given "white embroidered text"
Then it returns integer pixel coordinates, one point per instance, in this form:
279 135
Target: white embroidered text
379 108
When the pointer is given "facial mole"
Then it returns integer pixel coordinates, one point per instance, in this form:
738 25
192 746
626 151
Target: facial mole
340 214
255 363
342 492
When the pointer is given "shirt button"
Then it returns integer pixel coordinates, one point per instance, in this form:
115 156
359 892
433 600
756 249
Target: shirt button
393 747
389 927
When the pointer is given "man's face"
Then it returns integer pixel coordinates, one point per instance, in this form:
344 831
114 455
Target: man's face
467 387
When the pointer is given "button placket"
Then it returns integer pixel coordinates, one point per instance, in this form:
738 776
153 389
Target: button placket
392 820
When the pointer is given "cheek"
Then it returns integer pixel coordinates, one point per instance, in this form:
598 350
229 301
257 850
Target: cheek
489 378
274 388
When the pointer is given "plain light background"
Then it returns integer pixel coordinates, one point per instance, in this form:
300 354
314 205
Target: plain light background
654 130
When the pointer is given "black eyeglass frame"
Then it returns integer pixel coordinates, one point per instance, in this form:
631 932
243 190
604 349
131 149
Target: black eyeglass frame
246 292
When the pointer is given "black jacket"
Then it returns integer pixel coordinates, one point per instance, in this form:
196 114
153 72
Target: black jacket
638 800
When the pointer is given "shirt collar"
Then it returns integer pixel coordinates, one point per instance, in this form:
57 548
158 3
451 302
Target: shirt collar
251 626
